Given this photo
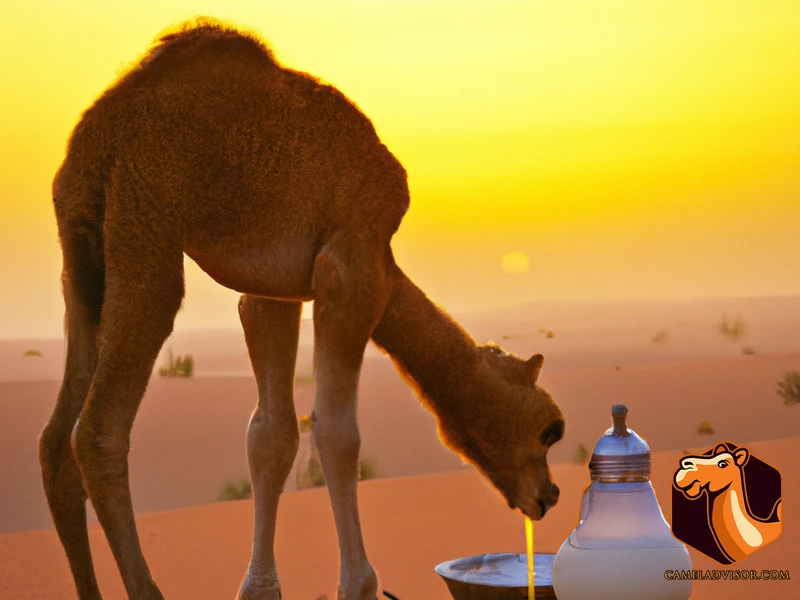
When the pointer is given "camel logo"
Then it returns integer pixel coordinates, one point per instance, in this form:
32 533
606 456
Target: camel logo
726 503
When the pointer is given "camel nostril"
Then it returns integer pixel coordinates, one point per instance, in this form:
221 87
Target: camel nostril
554 494
543 507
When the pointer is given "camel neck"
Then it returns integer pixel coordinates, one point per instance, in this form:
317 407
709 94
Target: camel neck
732 498
732 517
427 346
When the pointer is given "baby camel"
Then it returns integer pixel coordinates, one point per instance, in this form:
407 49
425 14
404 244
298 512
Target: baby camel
279 188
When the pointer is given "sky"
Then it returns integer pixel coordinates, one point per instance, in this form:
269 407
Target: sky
575 150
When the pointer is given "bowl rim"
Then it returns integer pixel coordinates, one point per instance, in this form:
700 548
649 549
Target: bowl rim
442 568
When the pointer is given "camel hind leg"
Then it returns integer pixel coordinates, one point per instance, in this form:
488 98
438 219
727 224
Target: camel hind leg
271 329
66 497
143 292
350 295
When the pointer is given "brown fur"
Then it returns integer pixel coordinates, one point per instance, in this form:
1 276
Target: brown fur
278 187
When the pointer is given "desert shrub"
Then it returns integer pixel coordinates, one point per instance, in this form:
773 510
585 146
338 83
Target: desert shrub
789 388
236 490
304 423
304 379
311 476
366 469
733 329
178 366
748 351
581 454
705 428
309 471
660 337
32 353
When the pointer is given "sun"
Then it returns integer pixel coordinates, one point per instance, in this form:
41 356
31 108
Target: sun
516 262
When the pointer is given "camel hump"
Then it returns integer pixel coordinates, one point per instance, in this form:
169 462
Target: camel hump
203 30
210 40
205 27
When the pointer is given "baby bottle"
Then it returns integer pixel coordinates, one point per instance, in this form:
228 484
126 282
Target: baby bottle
622 546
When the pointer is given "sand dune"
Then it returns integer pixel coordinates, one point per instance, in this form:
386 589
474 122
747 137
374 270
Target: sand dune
410 525
427 507
202 421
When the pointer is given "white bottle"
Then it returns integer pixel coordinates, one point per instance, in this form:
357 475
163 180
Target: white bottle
622 546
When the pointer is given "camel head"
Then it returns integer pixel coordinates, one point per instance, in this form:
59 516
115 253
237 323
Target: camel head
507 427
710 473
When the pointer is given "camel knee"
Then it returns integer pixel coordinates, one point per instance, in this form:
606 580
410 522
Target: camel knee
337 435
272 443
51 450
54 453
100 454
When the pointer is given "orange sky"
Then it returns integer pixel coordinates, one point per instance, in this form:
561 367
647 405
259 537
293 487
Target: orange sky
629 150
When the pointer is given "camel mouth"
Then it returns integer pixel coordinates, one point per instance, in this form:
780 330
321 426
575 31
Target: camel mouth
534 510
693 490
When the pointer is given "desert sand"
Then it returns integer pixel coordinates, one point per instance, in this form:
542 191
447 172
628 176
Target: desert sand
410 525
666 361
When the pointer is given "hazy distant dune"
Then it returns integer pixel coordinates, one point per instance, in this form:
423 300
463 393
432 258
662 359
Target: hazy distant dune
621 333
585 334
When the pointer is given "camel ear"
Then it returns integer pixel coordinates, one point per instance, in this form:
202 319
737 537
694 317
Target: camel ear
534 364
720 449
740 456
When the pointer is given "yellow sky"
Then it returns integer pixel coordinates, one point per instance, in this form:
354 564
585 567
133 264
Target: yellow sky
629 149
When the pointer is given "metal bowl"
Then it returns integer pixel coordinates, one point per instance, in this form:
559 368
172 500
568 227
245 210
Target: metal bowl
502 576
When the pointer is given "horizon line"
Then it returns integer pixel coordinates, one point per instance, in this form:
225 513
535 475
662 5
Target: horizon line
475 311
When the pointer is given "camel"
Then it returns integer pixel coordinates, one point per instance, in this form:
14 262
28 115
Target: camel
278 187
720 478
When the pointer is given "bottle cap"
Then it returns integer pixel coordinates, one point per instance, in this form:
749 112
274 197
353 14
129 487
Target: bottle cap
620 455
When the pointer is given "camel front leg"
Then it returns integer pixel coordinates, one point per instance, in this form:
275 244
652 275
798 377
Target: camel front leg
348 301
271 330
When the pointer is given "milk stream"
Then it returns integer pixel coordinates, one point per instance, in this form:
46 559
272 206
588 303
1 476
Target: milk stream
529 541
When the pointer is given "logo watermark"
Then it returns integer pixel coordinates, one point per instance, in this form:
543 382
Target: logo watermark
726 503
727 575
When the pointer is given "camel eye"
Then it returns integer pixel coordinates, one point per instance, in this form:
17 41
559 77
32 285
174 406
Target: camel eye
722 464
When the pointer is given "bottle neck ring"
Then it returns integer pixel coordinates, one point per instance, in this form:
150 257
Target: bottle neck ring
621 468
